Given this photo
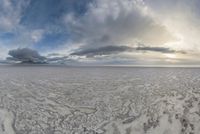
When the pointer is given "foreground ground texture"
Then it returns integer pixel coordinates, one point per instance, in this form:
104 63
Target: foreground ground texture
99 100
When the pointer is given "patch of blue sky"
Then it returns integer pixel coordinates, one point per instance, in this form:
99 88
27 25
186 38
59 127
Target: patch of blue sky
41 13
7 37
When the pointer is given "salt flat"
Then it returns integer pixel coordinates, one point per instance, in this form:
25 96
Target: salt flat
99 100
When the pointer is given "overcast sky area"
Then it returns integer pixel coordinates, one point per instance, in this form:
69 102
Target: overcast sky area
100 32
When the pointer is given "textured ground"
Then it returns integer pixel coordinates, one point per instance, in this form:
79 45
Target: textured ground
106 100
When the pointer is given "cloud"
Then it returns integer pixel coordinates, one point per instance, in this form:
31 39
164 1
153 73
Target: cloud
58 59
11 13
114 22
181 17
37 35
115 27
101 30
30 56
12 33
25 55
108 50
158 49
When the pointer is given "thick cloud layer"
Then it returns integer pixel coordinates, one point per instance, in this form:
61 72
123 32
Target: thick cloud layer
108 50
26 55
113 26
114 22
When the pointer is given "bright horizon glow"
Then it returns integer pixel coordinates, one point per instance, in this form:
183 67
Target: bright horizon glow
171 56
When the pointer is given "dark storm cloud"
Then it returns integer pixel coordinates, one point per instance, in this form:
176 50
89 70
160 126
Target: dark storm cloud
108 50
25 55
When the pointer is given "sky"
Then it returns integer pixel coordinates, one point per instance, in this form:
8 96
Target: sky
100 32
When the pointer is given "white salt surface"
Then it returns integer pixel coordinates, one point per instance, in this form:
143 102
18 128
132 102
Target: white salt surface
99 100
6 121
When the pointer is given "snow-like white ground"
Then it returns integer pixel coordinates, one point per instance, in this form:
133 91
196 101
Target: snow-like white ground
99 100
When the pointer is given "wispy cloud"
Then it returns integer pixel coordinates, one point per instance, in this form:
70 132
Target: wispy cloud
11 13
